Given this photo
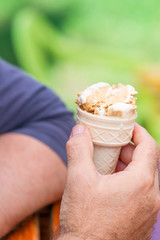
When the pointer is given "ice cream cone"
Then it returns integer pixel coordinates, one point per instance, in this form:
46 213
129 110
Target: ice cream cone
109 134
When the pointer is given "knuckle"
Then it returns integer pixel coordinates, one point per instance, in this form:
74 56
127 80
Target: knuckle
71 149
77 142
69 144
156 149
148 181
156 153
157 205
72 143
155 145
76 145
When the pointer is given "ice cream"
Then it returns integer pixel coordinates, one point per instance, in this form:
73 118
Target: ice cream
109 112
103 99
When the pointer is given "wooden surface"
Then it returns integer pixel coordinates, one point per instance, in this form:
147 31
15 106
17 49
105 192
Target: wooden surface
42 226
55 219
29 230
45 222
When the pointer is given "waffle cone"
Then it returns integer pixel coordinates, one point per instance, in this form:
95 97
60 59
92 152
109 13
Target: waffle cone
109 134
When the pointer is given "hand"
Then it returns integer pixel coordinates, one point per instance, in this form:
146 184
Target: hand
120 206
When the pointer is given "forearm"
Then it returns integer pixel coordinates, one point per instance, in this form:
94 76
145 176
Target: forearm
71 236
31 176
68 237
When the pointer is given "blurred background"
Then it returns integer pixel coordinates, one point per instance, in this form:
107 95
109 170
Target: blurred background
68 45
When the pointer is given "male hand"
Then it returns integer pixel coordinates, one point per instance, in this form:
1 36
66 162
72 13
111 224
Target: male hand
120 206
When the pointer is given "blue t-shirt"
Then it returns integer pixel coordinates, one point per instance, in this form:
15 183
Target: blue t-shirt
28 107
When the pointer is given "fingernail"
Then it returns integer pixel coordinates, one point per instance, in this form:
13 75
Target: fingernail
78 129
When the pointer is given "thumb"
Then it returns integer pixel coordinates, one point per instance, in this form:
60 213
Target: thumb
80 149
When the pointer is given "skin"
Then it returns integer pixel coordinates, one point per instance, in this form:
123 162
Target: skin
120 206
31 176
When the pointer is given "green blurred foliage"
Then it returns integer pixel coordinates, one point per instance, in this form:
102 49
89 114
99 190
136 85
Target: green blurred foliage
69 44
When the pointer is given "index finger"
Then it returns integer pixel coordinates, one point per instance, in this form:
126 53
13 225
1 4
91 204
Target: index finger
147 152
140 134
